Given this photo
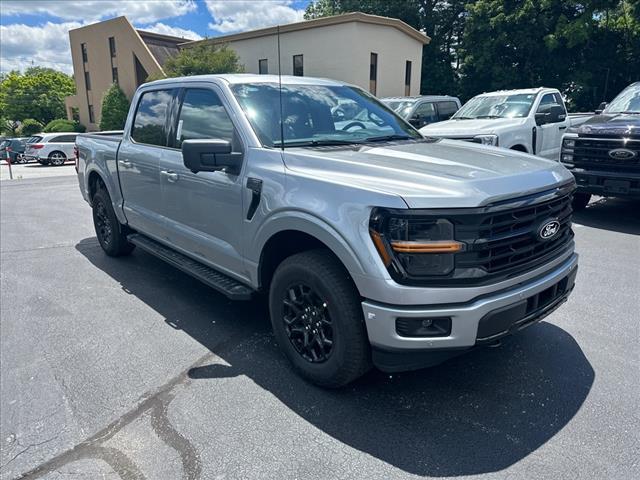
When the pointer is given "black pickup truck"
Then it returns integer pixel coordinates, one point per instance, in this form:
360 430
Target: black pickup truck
604 152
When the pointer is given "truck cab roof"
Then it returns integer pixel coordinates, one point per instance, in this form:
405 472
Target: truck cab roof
236 78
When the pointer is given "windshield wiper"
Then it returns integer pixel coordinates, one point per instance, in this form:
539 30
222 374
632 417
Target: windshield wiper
315 143
384 138
462 118
489 116
627 112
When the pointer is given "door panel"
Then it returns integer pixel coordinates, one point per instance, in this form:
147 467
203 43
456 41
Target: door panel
139 159
203 211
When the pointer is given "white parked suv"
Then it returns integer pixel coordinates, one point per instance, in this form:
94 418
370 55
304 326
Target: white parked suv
531 121
51 148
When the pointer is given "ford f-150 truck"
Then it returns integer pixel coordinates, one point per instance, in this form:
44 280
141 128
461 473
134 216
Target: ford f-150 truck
373 245
604 152
531 120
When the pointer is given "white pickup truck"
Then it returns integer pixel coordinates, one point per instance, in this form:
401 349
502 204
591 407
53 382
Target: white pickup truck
531 120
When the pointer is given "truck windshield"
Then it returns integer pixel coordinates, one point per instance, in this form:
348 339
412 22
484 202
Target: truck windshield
627 101
318 115
496 106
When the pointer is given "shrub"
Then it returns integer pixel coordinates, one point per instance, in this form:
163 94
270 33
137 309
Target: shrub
115 108
63 125
30 127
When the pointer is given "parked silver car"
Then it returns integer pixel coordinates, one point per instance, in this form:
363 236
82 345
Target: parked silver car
51 148
374 245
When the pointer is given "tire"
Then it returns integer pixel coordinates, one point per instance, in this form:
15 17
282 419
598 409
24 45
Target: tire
580 201
57 158
322 288
20 158
111 234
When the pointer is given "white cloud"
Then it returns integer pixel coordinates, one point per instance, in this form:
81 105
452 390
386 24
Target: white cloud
241 15
44 45
142 11
164 29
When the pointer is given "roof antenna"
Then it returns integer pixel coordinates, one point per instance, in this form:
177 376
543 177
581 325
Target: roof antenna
280 90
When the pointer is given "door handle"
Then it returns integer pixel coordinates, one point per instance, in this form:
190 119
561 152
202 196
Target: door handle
562 128
171 176
124 163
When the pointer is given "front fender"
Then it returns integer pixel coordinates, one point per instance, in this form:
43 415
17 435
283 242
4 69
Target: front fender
357 263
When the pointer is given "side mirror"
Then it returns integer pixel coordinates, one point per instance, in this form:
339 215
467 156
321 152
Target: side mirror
210 156
601 108
416 120
550 114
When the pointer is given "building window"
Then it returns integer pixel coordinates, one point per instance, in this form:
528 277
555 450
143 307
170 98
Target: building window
114 75
85 58
407 79
373 73
298 69
141 73
92 118
112 46
75 114
87 80
263 66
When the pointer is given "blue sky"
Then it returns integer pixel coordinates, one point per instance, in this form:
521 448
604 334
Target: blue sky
34 32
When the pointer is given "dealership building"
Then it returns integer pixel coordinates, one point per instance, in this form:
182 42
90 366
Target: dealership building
382 55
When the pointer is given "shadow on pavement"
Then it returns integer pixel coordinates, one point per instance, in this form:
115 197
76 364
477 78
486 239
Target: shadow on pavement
477 413
615 214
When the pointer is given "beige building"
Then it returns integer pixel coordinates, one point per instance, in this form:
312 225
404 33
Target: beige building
112 52
382 55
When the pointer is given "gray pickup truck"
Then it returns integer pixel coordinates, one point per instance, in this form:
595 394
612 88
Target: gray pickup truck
374 245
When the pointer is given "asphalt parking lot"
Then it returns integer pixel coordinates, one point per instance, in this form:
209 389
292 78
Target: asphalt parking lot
127 368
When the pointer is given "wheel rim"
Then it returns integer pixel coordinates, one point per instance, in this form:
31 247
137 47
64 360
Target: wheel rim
57 158
308 324
103 225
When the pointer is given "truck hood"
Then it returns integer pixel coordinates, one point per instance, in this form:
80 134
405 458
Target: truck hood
469 128
612 124
439 174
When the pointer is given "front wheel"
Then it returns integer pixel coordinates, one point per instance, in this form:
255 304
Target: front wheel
580 201
111 233
317 319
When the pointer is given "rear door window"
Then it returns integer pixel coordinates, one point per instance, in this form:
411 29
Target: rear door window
446 110
202 115
150 122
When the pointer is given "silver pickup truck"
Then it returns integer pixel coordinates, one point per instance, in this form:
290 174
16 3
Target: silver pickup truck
374 245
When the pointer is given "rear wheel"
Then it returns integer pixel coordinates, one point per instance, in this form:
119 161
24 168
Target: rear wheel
20 158
111 234
57 158
580 201
317 319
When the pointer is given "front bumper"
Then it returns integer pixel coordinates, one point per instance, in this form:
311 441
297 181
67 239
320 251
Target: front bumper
483 320
607 184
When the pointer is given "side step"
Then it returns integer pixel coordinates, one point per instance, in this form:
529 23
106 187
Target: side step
221 282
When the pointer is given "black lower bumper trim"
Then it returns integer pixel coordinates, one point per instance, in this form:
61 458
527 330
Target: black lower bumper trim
608 185
498 323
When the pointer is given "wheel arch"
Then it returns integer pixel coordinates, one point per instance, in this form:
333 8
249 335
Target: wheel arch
276 244
519 148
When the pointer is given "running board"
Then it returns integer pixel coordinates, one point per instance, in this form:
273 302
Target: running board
207 275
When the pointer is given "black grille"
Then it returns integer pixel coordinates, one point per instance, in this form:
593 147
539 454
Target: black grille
507 242
593 154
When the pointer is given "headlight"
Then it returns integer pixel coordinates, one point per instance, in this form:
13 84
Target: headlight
569 143
414 245
486 139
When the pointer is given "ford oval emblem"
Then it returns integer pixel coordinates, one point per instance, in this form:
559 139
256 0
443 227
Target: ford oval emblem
549 229
622 154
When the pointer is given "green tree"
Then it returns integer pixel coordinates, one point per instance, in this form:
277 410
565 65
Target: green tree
63 125
115 108
38 93
203 59
30 127
590 49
